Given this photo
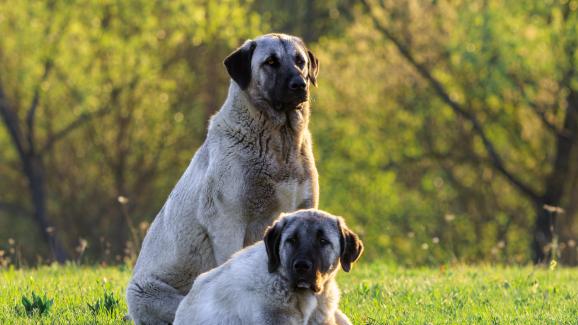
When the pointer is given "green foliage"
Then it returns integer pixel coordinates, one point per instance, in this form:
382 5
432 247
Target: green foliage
375 293
132 85
411 171
107 303
36 305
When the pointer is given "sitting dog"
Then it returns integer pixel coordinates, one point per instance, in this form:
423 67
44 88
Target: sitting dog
289 278
256 162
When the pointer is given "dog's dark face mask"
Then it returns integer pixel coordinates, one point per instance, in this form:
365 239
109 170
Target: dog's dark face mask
308 249
275 70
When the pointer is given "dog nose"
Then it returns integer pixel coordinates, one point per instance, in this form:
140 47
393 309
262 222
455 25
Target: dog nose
302 266
297 83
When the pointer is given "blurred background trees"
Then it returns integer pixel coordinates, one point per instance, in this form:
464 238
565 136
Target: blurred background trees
441 129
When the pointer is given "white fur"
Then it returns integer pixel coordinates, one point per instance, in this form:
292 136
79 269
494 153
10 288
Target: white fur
251 167
243 292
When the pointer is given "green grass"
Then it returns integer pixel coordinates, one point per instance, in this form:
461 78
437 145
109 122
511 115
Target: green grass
371 294
73 290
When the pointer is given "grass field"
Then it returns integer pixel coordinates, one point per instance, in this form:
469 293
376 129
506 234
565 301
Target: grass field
372 294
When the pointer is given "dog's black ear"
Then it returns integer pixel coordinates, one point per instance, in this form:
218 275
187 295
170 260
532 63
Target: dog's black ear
351 246
272 240
238 64
313 68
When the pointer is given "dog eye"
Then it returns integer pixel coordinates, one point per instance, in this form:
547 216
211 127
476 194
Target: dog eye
323 241
299 61
292 240
272 61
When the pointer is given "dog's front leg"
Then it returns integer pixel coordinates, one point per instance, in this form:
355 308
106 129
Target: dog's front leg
341 319
227 237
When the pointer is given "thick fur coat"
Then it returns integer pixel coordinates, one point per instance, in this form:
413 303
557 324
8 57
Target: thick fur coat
262 285
255 163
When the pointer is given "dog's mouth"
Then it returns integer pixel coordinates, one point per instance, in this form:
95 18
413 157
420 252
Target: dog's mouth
287 107
291 105
303 284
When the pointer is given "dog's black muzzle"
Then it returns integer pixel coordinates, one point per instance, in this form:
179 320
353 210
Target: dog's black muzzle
304 275
293 95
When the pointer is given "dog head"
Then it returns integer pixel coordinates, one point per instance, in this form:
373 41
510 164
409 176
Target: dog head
275 70
308 246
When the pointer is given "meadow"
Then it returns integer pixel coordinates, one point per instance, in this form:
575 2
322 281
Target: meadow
371 294
443 132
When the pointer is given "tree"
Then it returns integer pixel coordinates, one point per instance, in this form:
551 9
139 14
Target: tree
558 113
22 129
93 94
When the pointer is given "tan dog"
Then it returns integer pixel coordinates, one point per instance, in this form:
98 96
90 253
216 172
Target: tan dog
255 163
289 278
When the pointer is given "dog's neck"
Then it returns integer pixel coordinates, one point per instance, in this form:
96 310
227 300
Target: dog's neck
305 301
239 116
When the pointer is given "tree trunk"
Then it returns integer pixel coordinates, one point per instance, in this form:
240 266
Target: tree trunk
556 182
34 173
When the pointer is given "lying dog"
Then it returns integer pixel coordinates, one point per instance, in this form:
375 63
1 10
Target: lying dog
256 162
289 278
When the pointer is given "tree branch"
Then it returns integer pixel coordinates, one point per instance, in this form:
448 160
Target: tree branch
78 122
11 121
31 115
439 89
82 119
540 113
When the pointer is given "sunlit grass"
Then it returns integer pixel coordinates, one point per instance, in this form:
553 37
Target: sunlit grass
73 290
372 294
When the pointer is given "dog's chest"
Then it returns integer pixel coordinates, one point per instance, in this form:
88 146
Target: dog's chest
289 194
271 188
306 306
